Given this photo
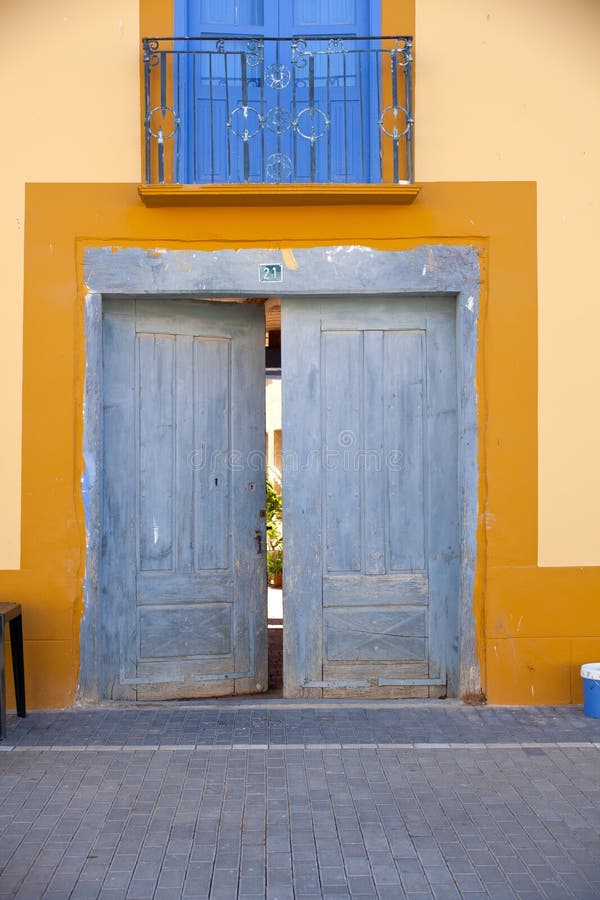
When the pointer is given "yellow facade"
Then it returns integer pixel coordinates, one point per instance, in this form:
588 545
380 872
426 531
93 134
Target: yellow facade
505 148
506 91
73 112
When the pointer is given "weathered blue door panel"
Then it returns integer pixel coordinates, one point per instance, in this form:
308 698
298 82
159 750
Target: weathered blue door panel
370 497
182 572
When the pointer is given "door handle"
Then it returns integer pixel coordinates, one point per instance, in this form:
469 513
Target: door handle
258 538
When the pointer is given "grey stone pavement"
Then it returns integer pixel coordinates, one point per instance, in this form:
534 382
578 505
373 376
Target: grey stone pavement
243 799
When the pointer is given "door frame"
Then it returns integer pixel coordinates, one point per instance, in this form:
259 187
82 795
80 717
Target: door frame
350 271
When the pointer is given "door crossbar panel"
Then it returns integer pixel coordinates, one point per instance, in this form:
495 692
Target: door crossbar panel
152 679
223 675
159 679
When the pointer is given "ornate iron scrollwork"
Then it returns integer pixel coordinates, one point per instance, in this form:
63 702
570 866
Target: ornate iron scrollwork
277 76
300 53
403 52
312 113
255 52
294 109
279 167
336 45
278 120
238 122
390 128
157 131
151 54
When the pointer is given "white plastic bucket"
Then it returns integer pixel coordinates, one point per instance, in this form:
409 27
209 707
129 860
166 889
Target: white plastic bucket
590 673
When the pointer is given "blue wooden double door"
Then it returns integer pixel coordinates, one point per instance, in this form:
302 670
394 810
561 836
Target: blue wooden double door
260 105
371 557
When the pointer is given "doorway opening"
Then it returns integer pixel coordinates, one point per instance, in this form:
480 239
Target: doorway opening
274 472
184 619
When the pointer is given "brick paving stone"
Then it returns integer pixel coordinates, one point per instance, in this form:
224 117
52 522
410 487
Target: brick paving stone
368 821
468 883
213 725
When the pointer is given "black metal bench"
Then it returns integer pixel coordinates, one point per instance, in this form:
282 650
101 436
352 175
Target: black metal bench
11 613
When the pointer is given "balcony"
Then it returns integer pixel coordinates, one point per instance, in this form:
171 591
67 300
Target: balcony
278 112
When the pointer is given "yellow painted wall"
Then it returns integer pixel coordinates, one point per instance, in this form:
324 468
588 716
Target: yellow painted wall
53 538
510 90
535 625
505 91
72 68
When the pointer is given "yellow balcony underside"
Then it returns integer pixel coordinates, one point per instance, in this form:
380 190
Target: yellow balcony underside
276 194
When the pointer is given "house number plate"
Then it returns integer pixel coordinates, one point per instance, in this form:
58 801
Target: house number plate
271 272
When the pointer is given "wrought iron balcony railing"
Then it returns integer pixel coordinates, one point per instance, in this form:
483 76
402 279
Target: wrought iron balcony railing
280 110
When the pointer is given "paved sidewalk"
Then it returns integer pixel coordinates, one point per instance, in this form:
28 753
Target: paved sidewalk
274 722
280 800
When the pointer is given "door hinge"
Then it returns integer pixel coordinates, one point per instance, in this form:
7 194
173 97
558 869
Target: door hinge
223 676
335 684
175 679
411 682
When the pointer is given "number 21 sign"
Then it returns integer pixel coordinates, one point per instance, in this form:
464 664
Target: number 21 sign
271 272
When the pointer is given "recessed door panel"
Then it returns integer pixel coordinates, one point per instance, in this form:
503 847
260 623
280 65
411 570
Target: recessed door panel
182 572
371 517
